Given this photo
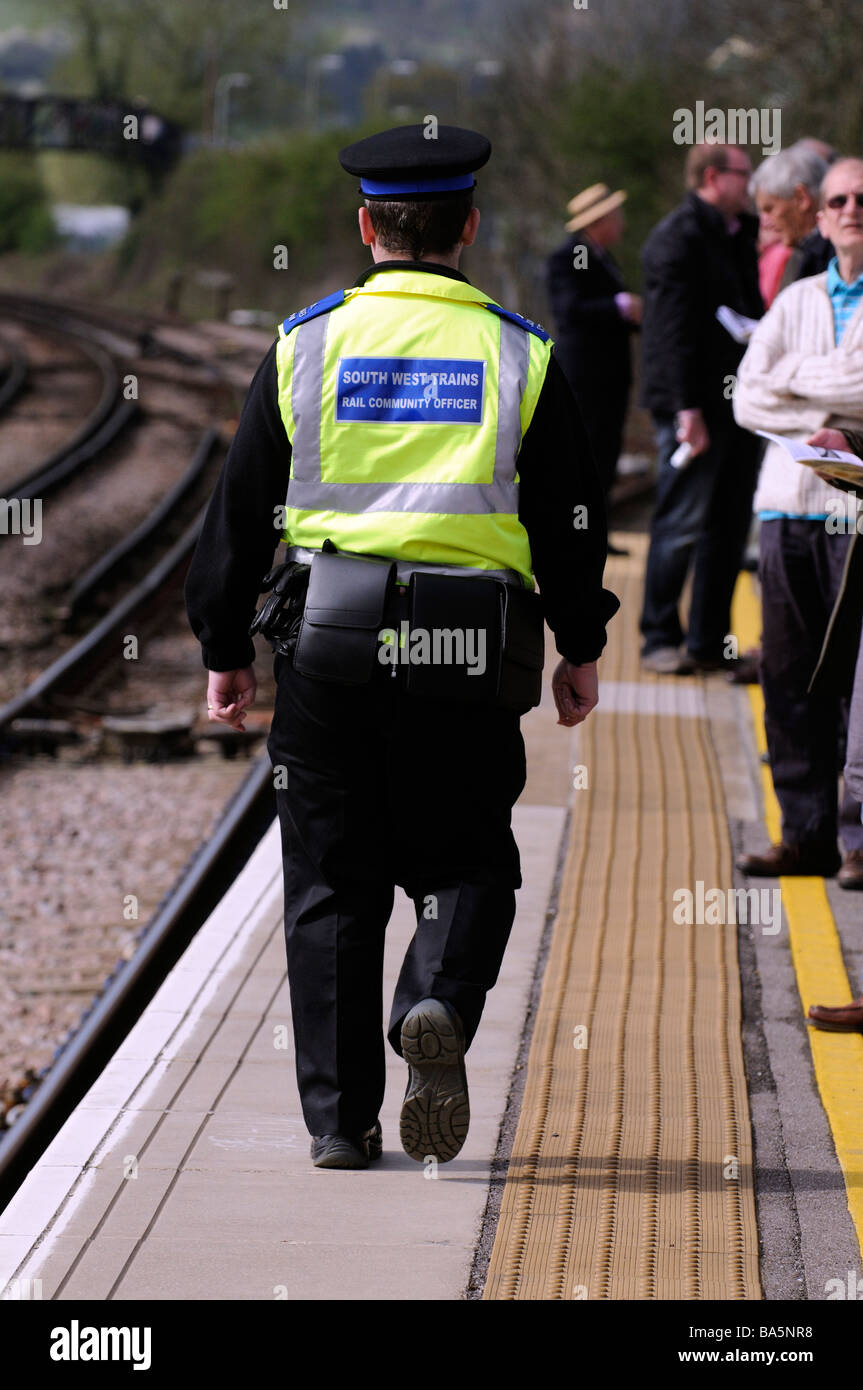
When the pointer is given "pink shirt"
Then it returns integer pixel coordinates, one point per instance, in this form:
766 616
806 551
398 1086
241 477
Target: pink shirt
771 264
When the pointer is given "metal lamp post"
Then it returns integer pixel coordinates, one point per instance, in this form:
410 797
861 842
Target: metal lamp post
221 98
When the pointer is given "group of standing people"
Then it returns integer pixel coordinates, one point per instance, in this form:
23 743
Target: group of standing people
699 257
791 363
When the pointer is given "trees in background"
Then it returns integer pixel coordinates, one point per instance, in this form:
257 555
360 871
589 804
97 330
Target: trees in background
578 94
172 54
589 95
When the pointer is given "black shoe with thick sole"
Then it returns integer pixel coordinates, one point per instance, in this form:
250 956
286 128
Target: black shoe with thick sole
436 1111
347 1151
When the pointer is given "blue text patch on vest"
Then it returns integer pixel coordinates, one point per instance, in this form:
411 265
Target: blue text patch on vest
446 389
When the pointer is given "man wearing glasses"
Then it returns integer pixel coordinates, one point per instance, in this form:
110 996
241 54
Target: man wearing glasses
802 375
699 257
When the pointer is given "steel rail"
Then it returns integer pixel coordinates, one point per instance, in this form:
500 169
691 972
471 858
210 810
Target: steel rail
84 650
108 417
16 374
107 566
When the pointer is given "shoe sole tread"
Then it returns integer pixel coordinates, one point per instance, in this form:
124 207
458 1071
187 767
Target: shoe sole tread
436 1111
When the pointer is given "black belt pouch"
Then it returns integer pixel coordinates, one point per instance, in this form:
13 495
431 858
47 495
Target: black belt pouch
454 648
523 654
343 616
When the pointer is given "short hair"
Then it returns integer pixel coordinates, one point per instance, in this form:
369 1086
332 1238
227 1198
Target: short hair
810 142
843 159
781 173
420 228
700 159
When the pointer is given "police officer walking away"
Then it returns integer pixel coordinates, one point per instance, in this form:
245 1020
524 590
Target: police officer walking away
425 457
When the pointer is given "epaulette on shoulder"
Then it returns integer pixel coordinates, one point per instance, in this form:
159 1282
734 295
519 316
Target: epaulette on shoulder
320 306
527 324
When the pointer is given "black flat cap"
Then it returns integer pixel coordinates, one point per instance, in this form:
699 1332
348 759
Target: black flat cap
417 161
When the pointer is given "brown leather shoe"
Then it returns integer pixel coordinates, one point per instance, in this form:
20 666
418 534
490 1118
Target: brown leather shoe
841 1018
851 873
779 861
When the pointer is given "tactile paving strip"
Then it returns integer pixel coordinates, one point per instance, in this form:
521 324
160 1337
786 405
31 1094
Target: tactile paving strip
631 1172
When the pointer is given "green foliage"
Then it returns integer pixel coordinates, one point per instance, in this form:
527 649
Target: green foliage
81 177
171 55
615 128
229 209
25 217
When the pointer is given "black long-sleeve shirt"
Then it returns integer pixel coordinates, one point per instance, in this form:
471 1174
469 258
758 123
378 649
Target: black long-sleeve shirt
557 476
593 339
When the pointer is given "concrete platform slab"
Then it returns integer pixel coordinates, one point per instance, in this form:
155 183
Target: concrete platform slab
185 1172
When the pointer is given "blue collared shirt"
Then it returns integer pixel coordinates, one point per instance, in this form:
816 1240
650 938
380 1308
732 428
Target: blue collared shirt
844 298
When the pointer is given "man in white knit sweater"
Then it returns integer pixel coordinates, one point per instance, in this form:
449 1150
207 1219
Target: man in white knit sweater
803 371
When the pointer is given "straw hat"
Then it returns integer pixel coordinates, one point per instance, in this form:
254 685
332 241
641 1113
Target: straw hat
592 204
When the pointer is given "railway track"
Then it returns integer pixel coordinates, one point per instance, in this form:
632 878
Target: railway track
106 485
16 373
113 727
43 375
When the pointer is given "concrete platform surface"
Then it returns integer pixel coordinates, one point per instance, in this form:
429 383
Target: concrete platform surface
185 1172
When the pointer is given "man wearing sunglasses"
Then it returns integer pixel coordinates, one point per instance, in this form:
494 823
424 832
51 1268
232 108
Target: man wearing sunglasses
803 373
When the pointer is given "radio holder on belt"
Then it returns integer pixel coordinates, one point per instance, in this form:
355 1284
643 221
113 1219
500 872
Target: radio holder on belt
351 601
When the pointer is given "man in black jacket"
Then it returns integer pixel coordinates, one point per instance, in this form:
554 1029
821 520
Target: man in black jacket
699 257
595 316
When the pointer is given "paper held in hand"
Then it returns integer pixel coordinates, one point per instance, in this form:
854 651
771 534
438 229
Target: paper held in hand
837 462
738 325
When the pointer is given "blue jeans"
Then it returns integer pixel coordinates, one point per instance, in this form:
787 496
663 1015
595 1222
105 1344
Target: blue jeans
702 518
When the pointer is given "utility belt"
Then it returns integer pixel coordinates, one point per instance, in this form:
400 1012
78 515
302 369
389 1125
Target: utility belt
451 633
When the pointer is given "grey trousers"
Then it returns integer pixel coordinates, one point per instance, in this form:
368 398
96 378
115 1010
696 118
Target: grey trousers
854 749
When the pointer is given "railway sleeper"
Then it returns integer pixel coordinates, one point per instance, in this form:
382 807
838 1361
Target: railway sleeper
45 736
232 743
148 740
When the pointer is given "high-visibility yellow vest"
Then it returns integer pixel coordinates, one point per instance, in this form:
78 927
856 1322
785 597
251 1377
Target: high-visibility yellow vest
406 400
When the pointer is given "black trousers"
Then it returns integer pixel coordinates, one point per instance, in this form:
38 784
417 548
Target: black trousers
384 789
603 407
800 569
701 520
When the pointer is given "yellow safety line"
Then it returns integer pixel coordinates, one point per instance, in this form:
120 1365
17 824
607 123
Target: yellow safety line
817 954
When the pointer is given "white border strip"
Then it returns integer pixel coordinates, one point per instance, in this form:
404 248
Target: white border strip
60 1181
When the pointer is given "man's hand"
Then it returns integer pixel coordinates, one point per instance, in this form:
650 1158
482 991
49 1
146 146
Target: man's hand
229 696
691 429
831 439
575 690
630 306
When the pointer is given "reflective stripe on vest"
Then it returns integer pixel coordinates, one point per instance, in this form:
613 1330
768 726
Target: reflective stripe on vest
393 454
308 491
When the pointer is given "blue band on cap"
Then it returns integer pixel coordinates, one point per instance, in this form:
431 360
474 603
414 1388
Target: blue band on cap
458 184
